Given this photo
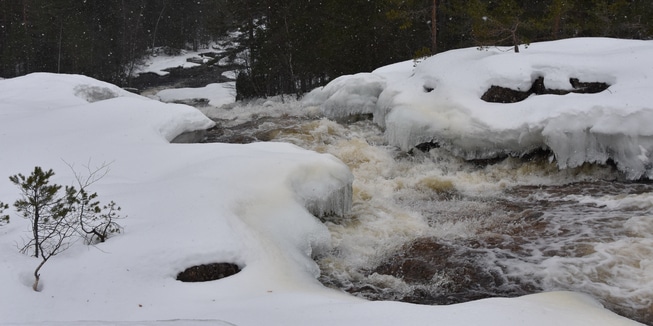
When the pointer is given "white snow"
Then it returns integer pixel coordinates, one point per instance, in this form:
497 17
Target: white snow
439 100
189 204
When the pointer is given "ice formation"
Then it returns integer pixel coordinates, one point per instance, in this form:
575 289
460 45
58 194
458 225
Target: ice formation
354 95
439 100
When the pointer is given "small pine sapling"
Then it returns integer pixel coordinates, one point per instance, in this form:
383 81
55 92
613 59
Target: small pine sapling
40 203
49 214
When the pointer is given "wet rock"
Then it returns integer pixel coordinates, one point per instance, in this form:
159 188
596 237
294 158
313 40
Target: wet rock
208 272
461 273
426 147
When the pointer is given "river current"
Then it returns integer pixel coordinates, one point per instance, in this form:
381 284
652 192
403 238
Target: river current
427 227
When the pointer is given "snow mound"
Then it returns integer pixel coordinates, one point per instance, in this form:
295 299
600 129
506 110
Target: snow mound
440 100
49 91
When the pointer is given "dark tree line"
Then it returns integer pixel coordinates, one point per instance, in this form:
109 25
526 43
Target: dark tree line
102 39
293 45
300 44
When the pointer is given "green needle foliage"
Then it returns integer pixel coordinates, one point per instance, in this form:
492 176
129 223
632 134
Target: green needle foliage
4 219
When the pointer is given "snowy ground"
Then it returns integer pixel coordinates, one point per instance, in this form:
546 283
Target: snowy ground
191 204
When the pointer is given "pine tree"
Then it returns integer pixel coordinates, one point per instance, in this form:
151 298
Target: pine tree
43 206
48 213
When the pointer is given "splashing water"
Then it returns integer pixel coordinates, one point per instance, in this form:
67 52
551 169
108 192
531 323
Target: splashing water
430 228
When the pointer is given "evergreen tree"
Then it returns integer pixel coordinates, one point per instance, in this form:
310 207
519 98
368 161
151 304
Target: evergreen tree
44 207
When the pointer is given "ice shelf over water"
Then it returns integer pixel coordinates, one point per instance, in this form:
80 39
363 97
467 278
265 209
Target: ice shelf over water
439 100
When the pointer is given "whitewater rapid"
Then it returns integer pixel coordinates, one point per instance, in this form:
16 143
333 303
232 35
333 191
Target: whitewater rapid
503 227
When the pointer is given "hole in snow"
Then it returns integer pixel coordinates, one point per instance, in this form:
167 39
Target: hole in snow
208 272
499 94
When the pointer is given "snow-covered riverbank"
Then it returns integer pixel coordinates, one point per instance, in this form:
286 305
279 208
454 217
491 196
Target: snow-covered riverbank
190 204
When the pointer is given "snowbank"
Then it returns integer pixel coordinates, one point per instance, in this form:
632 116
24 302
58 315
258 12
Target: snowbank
440 100
195 204
217 94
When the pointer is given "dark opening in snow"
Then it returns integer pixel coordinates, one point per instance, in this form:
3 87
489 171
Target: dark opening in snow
208 272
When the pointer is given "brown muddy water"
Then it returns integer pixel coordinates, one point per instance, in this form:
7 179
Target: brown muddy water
429 228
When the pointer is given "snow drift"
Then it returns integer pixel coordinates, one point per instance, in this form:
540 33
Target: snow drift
440 100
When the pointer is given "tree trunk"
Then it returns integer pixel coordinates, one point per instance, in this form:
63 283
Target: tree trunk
25 14
37 276
59 46
434 27
35 232
156 26
515 39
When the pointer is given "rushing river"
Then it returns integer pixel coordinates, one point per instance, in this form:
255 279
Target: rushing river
427 227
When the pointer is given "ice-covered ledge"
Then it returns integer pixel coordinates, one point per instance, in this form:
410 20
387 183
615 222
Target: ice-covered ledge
324 192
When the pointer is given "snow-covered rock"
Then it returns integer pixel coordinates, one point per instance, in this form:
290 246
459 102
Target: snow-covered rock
350 94
440 100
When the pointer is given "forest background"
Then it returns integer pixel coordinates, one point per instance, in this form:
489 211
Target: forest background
292 45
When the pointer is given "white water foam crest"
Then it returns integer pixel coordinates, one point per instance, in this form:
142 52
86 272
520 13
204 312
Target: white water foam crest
617 202
621 270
